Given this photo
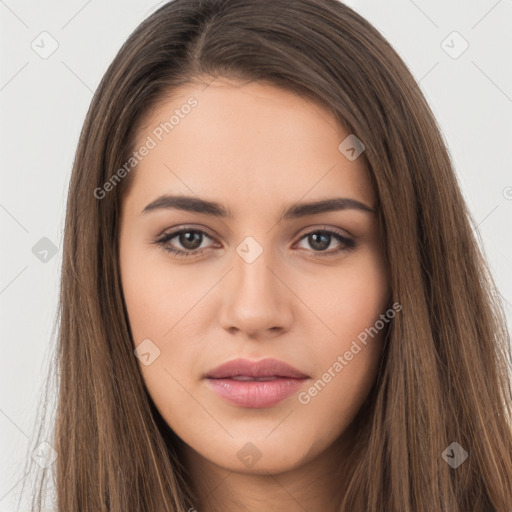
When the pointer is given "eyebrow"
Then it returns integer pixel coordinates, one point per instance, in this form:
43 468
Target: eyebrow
295 211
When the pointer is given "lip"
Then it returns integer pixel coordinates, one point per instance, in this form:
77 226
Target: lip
262 368
281 380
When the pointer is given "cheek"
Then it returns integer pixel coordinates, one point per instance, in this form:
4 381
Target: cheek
349 298
157 295
160 302
347 352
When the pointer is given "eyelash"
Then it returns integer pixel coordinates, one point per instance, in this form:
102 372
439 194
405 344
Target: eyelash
347 244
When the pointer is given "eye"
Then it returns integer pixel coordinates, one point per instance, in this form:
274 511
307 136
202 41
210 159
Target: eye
191 241
320 240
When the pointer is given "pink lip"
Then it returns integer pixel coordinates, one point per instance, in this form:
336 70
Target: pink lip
282 380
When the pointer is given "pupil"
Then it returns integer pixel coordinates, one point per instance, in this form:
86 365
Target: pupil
319 245
185 240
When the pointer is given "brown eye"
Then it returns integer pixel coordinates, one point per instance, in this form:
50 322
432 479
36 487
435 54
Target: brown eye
320 240
189 239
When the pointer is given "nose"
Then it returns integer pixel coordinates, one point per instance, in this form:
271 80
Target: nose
256 301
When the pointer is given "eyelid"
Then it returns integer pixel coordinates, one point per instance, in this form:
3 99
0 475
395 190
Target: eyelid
198 227
181 227
324 227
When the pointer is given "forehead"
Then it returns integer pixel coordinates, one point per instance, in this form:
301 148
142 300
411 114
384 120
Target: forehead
245 144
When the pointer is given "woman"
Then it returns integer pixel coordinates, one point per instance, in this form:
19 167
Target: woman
271 296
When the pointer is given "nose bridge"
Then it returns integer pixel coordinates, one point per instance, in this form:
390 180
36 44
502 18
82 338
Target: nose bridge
253 280
255 298
252 270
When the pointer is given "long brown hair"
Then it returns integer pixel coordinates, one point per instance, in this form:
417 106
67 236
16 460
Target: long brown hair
444 376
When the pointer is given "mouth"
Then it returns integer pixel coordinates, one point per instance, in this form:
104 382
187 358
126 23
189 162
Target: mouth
257 384
258 379
263 369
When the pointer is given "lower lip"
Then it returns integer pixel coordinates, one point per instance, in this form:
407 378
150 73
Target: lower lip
255 394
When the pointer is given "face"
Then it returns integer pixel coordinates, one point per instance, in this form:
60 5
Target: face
250 281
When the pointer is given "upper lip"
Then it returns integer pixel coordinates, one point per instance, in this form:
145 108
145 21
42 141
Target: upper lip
255 369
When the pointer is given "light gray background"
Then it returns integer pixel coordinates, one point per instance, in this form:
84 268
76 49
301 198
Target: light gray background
43 102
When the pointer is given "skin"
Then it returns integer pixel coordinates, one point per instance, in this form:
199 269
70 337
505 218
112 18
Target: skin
255 149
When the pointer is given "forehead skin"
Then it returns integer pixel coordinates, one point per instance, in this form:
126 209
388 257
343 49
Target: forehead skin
243 141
